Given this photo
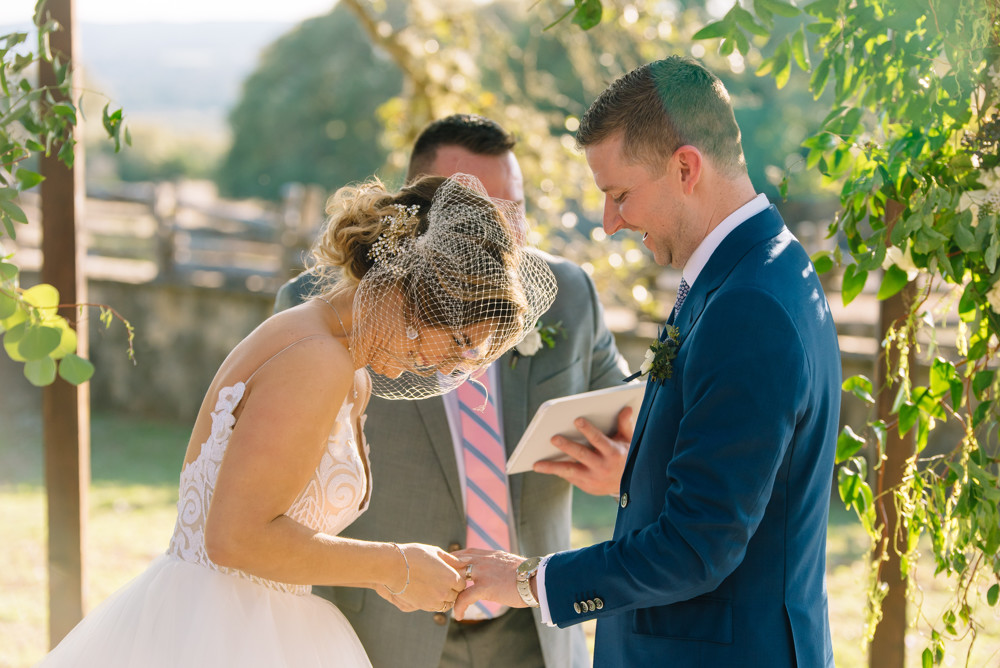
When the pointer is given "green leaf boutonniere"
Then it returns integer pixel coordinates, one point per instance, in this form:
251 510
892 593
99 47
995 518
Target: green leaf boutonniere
659 362
534 340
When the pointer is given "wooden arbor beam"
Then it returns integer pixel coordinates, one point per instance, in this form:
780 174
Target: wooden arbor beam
65 407
888 646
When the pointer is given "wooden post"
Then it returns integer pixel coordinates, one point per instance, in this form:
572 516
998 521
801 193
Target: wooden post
888 648
65 407
164 208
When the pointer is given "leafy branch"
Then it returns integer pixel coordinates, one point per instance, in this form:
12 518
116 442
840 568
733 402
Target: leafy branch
39 120
912 139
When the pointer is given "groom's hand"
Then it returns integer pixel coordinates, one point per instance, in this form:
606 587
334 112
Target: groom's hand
492 577
596 469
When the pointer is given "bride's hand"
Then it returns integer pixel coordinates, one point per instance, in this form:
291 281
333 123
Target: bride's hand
434 580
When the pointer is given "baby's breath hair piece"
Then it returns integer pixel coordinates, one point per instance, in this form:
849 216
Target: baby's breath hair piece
398 226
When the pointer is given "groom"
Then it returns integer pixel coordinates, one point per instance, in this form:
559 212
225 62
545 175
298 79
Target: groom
718 554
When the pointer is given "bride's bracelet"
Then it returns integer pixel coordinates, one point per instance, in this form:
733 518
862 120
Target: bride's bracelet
405 561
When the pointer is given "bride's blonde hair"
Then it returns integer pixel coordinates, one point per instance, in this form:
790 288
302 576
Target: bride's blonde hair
451 254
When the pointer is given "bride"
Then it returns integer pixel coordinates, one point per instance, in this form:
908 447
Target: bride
432 286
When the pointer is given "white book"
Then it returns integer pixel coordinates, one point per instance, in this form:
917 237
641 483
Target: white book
556 416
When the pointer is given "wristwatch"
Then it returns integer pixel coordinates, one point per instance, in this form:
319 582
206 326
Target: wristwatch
525 572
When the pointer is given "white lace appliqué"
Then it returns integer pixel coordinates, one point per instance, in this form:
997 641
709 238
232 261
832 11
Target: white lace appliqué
333 498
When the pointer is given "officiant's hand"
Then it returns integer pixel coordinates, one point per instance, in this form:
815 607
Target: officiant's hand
434 580
596 469
493 578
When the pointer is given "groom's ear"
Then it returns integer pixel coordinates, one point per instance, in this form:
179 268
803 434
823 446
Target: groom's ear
689 162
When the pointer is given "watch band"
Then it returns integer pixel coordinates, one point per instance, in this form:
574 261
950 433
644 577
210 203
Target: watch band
525 571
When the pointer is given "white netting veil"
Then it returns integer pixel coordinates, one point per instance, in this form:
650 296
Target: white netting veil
447 291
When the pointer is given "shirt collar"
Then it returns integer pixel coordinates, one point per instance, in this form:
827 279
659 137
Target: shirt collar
704 251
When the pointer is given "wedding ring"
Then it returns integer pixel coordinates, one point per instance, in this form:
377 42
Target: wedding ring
468 572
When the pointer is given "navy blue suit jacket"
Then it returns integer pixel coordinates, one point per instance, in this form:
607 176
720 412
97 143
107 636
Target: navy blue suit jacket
719 551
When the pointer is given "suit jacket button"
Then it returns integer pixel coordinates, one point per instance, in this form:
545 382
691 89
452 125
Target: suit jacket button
591 606
440 618
598 603
624 499
576 607
454 546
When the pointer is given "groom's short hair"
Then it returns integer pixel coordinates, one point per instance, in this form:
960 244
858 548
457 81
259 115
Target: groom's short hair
661 106
476 134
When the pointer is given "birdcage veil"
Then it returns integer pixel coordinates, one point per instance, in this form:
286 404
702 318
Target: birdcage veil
438 306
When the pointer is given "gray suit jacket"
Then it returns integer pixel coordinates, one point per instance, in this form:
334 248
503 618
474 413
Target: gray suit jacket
417 493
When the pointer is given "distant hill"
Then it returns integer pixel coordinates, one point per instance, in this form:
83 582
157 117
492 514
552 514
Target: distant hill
172 74
174 71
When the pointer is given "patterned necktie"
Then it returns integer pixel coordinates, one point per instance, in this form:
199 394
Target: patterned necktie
485 477
682 293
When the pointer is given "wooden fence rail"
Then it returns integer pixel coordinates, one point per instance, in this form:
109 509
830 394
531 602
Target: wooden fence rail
183 233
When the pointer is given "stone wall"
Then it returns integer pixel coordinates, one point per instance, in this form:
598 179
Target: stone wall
184 332
182 335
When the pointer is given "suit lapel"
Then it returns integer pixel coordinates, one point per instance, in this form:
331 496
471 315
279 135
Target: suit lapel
737 243
514 404
764 225
439 435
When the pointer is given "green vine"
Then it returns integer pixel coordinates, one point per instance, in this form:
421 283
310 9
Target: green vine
39 120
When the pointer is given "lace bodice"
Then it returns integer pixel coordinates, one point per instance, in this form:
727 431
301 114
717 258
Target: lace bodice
335 496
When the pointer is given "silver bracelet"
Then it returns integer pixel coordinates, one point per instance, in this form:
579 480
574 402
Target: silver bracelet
400 592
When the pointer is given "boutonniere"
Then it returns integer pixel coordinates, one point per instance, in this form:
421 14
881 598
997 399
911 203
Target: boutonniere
659 361
540 335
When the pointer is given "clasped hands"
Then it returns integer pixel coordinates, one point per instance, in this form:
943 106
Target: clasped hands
437 580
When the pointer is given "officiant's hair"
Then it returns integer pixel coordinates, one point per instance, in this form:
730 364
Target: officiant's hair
661 106
477 134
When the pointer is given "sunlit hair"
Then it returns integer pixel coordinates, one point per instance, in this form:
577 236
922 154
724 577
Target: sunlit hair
437 255
662 106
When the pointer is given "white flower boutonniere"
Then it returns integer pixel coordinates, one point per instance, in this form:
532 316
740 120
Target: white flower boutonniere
659 361
540 335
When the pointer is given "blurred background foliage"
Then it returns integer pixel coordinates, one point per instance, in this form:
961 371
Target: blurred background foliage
340 97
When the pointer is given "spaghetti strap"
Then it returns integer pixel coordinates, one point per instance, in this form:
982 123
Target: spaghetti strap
293 343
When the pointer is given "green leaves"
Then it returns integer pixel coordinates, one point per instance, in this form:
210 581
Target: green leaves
855 492
586 14
860 387
900 142
853 283
36 335
75 370
114 121
848 444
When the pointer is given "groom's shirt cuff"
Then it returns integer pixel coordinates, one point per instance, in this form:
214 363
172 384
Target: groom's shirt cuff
543 600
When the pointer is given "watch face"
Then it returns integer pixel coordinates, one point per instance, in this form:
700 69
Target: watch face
527 567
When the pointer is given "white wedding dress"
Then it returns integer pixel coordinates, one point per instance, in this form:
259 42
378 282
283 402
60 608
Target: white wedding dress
186 611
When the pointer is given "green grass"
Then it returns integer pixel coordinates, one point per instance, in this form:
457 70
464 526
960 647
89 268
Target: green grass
135 465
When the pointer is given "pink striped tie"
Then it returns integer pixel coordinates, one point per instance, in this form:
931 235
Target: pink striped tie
485 477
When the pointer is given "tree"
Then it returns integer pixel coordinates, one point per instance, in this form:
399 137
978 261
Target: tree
494 59
37 120
305 115
912 140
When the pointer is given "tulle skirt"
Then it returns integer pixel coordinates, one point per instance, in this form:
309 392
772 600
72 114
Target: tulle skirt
181 614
